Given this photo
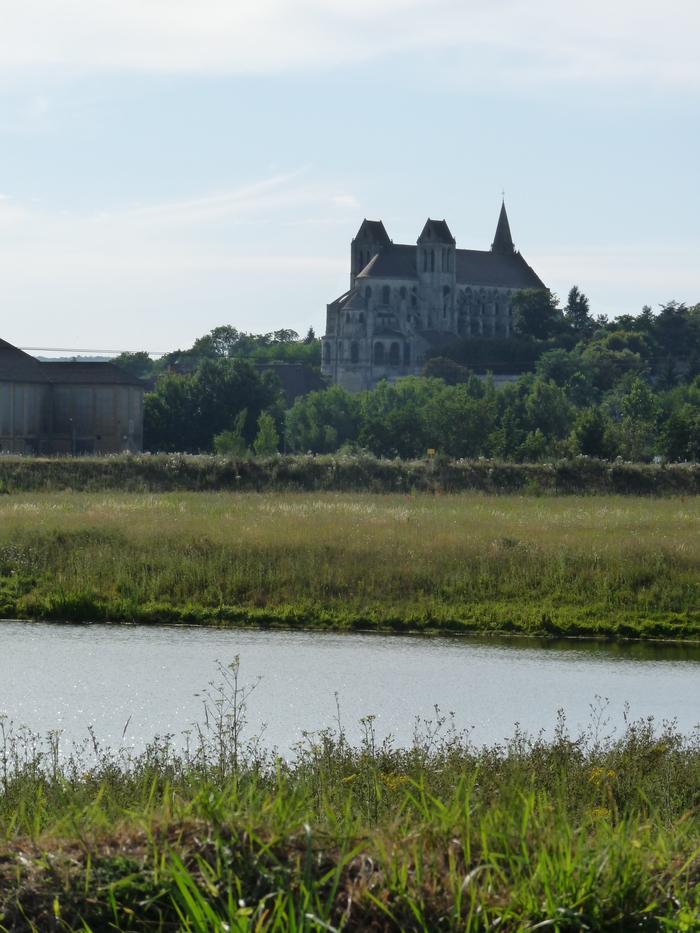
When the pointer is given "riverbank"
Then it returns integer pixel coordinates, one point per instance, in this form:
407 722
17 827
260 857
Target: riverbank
569 566
338 473
587 831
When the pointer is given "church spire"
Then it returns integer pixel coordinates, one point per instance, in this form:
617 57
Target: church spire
503 241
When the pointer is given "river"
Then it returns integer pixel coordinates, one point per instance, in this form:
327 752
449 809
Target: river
69 677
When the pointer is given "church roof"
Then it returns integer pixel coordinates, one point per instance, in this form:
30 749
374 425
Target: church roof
395 261
376 230
18 366
474 267
436 231
503 270
503 241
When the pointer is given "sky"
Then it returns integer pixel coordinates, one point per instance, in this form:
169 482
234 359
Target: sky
168 167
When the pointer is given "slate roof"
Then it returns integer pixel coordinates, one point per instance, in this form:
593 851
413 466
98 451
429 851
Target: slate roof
441 231
18 366
395 261
503 270
474 267
503 241
377 230
88 374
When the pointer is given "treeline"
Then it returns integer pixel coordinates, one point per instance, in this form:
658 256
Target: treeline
628 388
228 343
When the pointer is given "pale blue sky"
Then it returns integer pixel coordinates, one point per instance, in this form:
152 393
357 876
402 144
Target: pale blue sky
168 167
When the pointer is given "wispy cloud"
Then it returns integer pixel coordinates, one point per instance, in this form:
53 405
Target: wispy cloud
507 41
179 267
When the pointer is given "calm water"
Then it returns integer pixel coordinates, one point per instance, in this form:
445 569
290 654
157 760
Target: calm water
73 676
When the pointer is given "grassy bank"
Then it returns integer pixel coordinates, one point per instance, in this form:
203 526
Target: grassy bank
336 473
551 565
582 832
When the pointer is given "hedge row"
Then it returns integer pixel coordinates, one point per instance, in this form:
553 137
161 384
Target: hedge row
180 472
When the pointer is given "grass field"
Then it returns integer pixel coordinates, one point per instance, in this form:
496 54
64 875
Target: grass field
589 831
602 566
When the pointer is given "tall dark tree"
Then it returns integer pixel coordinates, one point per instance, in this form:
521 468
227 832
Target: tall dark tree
536 313
577 312
310 336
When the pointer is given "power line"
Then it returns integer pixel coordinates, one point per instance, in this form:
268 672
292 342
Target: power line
93 350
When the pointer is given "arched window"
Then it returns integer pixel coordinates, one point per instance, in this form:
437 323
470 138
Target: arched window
432 260
354 352
326 352
425 260
361 317
379 354
402 291
386 295
368 294
395 354
414 301
347 317
340 349
360 264
407 354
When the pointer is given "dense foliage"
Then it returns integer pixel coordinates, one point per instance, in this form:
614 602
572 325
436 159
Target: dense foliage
627 388
187 412
228 343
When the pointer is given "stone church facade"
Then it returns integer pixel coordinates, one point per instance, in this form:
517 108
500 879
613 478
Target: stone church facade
406 300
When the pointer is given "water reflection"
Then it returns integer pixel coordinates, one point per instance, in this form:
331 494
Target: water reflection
72 676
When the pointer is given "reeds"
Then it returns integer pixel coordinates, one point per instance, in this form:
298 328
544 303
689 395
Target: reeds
568 565
585 832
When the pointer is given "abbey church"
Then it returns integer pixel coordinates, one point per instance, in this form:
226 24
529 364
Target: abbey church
406 300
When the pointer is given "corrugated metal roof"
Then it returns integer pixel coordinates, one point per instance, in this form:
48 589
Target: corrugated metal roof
18 366
89 374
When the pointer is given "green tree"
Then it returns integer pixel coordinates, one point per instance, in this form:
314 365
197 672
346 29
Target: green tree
392 418
439 367
536 313
460 425
679 437
324 421
577 312
267 441
232 443
139 364
184 413
592 433
548 409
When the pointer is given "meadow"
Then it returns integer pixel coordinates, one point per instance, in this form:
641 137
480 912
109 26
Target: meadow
604 566
587 831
